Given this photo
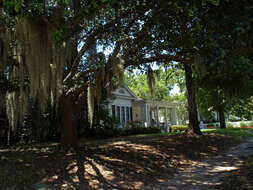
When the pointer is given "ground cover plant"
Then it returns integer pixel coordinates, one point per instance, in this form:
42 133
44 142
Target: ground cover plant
121 163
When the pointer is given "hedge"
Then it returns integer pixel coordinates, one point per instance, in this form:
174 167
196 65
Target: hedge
179 128
229 125
139 130
212 125
243 124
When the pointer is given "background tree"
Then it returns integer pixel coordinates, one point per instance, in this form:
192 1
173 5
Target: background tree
139 84
47 35
227 70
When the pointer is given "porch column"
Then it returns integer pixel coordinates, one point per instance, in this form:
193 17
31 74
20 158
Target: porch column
125 107
148 115
157 116
173 116
109 106
166 119
120 116
144 113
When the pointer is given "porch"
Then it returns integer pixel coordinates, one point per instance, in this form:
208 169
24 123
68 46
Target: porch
155 113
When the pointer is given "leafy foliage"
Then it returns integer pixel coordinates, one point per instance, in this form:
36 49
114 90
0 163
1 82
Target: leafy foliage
179 128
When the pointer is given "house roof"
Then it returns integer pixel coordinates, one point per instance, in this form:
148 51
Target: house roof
129 90
124 92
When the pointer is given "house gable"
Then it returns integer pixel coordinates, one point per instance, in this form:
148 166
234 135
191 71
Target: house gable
124 92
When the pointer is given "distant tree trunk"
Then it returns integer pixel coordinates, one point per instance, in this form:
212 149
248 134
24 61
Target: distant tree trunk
69 137
191 98
221 117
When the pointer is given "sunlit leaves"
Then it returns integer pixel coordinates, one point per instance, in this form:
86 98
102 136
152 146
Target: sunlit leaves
58 35
13 4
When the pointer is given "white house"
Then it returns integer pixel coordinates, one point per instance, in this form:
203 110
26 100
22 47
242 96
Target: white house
128 107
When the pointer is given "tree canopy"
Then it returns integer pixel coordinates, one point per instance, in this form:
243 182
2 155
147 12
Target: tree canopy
50 54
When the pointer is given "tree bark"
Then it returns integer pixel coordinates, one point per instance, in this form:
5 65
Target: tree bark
221 117
191 98
69 137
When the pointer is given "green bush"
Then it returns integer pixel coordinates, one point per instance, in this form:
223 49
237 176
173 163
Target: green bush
176 128
250 124
243 124
138 130
133 124
212 125
229 125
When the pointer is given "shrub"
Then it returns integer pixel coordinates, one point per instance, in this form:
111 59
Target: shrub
133 124
243 124
104 126
212 125
250 124
229 125
176 128
139 130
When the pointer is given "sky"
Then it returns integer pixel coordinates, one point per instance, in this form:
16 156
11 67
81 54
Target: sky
175 90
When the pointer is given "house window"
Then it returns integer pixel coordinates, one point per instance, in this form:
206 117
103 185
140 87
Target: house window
123 114
118 112
127 114
131 113
121 91
113 110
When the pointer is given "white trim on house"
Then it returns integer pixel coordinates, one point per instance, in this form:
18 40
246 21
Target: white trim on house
148 112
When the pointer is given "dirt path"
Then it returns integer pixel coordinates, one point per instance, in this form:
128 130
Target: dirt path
205 174
124 164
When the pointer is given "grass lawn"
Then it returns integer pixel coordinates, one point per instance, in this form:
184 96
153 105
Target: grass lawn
122 163
236 133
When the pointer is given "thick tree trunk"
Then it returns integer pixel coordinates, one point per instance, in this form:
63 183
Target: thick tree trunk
221 117
69 137
191 98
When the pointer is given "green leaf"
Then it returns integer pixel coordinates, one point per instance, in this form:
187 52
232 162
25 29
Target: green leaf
58 35
214 2
203 3
94 4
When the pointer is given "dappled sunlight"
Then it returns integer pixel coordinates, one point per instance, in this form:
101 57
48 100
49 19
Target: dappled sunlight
131 163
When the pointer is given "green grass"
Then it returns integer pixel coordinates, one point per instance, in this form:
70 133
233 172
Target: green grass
238 133
154 134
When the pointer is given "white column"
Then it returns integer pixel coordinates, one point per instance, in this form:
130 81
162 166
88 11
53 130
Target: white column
125 115
157 116
110 109
120 113
166 119
173 114
148 116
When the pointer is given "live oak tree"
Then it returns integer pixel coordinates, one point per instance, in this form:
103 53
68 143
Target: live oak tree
227 52
212 44
54 57
54 60
139 84
168 32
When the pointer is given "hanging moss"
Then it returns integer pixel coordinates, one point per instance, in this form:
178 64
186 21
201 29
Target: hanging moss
90 101
151 80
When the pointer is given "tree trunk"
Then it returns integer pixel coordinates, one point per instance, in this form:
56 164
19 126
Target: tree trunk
191 98
221 117
69 137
